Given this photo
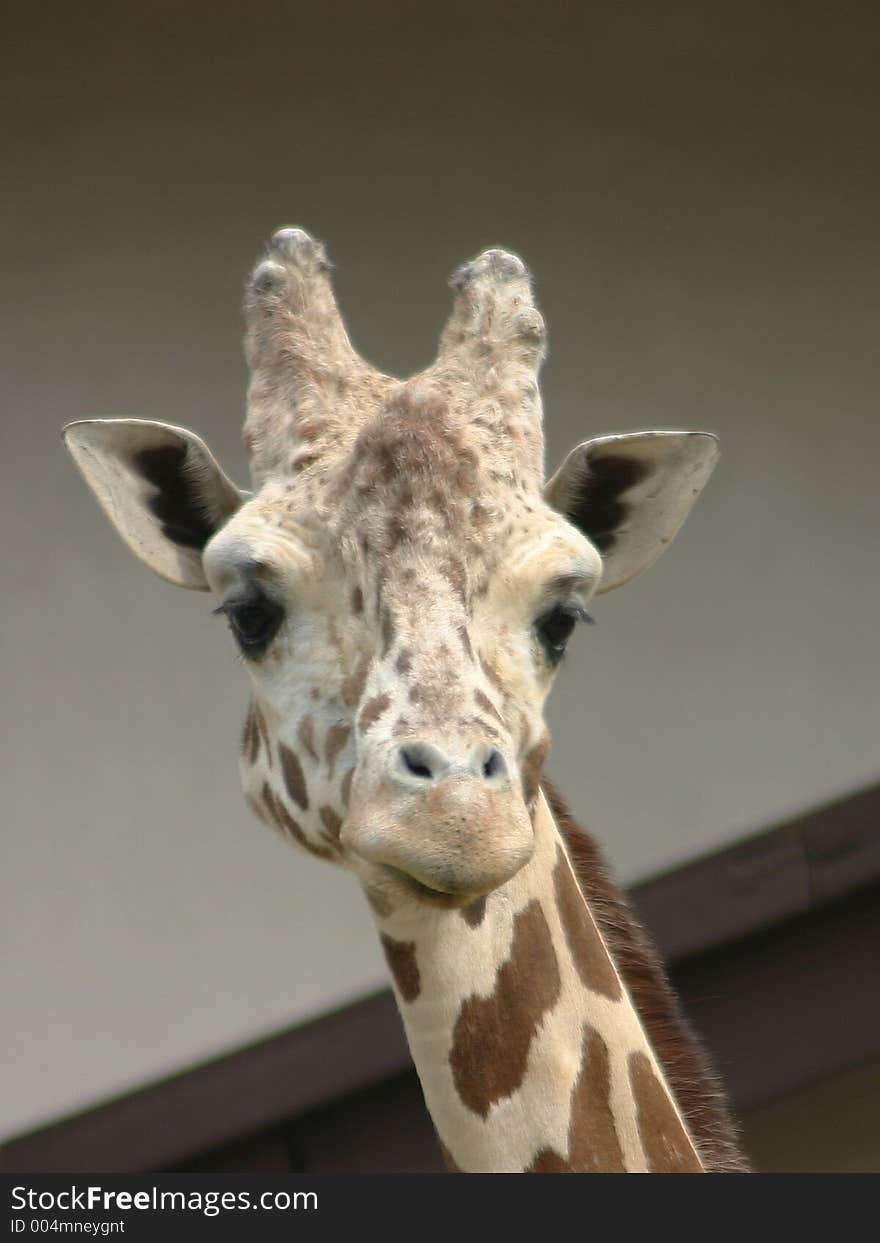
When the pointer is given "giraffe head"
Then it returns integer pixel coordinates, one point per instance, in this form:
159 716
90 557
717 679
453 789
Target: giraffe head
402 582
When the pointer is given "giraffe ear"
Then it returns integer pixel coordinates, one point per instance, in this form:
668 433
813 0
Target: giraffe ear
161 488
630 494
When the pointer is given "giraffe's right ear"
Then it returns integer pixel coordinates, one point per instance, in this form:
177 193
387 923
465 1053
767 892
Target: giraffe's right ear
161 488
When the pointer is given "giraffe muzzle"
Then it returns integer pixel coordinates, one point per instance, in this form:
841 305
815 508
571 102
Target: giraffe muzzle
451 825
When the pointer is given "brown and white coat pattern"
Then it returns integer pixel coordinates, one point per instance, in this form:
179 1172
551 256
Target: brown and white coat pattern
402 584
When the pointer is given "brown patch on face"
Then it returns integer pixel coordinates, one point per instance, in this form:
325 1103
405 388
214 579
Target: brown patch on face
483 701
345 787
281 816
492 1035
250 737
354 682
305 736
453 570
263 730
403 664
480 515
373 710
337 737
666 1145
413 445
294 778
357 601
399 530
401 727
474 912
479 723
302 459
531 766
331 822
491 672
310 429
387 632
401 959
588 953
481 588
333 635
438 500
593 1144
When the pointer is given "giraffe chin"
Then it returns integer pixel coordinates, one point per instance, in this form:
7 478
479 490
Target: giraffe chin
456 845
439 898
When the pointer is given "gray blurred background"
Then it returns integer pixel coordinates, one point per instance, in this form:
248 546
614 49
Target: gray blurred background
695 187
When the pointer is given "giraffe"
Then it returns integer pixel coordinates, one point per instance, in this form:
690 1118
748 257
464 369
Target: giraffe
402 584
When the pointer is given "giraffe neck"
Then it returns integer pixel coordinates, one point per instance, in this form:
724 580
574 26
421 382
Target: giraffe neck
531 1054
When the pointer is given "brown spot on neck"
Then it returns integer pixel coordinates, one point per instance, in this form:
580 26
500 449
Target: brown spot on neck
492 1035
593 1143
590 957
401 959
357 601
667 1147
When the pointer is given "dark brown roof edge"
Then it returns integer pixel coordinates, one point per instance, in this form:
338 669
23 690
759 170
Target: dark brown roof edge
769 877
234 1095
764 880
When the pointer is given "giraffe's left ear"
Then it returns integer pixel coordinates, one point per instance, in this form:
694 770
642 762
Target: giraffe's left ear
160 486
629 494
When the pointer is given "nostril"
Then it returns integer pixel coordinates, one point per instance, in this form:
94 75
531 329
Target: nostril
494 765
415 762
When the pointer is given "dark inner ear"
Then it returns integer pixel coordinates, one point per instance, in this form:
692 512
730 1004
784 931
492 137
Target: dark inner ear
177 504
596 505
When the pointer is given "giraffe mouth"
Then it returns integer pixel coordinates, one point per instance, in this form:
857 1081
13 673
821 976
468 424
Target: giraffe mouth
457 843
440 898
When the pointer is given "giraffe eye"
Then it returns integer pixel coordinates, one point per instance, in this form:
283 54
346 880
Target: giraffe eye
555 627
254 621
